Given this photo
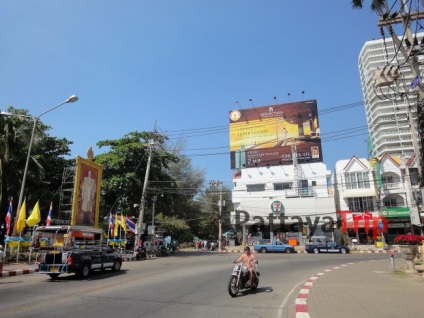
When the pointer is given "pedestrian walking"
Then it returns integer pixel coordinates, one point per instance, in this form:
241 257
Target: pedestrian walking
2 258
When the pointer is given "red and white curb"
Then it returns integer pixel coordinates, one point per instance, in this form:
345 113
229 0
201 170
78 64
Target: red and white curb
18 272
301 306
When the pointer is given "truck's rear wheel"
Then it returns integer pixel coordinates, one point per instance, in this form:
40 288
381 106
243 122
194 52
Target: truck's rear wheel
84 271
116 266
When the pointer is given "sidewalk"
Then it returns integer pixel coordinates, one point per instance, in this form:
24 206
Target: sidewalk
363 289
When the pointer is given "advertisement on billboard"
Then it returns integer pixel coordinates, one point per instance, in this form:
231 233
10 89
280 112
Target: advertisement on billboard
268 135
86 202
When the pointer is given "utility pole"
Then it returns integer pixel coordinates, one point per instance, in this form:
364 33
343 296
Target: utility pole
154 199
140 229
218 184
410 52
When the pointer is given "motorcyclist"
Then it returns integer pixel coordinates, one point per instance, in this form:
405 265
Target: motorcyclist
248 260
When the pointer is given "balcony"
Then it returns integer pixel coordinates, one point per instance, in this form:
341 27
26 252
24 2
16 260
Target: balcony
392 186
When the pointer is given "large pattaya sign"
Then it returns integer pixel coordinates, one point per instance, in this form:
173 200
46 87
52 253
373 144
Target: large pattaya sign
264 136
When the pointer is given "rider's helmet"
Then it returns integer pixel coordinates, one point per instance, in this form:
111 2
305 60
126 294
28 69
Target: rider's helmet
247 248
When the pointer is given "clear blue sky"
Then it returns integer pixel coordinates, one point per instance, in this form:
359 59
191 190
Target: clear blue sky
182 65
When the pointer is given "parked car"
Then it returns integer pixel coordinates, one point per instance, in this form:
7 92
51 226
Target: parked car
230 233
326 247
276 246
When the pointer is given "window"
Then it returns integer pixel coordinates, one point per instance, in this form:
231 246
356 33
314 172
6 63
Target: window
360 204
389 203
283 186
414 176
357 180
303 187
387 179
314 183
255 187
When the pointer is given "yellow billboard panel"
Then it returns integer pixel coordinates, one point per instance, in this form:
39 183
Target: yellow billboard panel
265 136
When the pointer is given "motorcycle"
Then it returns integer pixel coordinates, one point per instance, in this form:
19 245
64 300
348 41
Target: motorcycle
141 253
161 251
240 278
169 249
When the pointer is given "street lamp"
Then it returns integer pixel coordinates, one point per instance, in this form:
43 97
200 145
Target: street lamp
71 99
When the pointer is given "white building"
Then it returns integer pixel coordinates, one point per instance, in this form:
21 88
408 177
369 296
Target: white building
390 105
270 200
367 190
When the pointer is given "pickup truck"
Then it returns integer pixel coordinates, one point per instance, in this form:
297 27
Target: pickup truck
72 249
326 247
276 246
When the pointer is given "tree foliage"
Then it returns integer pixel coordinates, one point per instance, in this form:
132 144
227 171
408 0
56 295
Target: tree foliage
124 170
376 5
46 164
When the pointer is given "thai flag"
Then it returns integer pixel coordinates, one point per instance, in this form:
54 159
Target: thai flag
130 224
9 217
49 216
111 224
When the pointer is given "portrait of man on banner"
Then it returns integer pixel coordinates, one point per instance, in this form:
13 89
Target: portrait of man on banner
85 210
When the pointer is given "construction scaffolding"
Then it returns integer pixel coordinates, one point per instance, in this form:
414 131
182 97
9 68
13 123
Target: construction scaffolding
66 195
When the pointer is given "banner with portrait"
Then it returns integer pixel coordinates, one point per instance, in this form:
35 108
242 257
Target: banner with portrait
86 200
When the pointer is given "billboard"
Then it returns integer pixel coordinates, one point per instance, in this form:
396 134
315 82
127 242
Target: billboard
86 201
268 135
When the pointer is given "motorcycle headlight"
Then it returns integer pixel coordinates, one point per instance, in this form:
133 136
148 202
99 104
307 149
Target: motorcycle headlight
237 267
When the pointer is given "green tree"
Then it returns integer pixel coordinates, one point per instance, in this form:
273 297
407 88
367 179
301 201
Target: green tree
46 164
176 197
208 202
124 169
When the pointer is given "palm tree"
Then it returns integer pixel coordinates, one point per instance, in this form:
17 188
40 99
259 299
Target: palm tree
376 5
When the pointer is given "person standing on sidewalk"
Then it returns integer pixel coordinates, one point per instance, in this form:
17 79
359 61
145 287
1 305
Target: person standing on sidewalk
2 258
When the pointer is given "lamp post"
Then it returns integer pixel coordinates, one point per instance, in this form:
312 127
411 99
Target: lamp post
71 99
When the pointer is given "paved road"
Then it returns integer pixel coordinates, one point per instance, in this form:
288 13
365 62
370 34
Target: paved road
189 285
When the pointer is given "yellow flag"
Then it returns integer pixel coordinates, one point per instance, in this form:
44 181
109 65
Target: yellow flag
123 225
35 216
20 224
116 228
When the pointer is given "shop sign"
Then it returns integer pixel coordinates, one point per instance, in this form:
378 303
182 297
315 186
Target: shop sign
277 207
395 212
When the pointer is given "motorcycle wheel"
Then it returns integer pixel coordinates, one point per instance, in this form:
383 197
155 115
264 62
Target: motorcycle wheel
233 287
255 283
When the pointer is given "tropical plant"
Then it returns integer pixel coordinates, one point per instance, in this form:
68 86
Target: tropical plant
46 161
376 5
